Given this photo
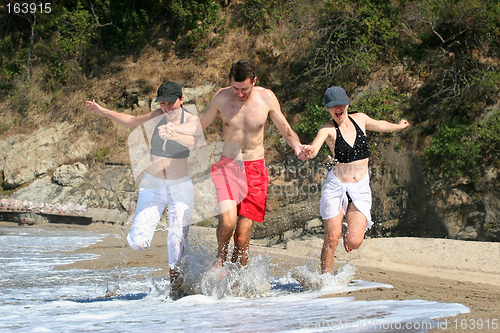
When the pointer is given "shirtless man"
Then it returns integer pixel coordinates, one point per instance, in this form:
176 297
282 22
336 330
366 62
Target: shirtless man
244 109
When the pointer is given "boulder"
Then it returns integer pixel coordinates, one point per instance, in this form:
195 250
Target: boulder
70 175
26 157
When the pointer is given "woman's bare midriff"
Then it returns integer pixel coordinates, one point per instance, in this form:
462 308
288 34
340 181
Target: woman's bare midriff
351 172
168 168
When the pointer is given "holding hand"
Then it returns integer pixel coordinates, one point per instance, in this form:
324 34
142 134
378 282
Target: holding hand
306 153
297 149
166 131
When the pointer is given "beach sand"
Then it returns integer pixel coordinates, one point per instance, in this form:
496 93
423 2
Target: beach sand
441 270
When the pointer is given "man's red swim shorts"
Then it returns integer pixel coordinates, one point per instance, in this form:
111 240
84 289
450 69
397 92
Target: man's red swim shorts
244 182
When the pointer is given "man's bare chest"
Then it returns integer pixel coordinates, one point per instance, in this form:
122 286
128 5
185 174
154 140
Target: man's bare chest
247 119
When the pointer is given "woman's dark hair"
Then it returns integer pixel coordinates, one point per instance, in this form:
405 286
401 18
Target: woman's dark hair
241 70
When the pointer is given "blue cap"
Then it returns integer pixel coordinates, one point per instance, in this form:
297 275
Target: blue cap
335 96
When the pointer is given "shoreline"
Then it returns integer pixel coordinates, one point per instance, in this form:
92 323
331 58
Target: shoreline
440 270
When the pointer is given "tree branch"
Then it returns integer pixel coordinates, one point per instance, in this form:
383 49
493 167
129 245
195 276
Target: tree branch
97 19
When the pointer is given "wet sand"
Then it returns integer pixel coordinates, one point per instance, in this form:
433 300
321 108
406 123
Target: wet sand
438 270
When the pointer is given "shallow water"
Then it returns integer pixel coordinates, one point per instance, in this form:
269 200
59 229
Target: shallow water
34 297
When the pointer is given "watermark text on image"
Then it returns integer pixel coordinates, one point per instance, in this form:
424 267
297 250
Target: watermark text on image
28 8
377 324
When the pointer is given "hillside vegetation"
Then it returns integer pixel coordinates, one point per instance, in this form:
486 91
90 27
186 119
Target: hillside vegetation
435 62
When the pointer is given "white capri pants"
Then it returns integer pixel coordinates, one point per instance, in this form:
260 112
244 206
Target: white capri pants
334 197
154 195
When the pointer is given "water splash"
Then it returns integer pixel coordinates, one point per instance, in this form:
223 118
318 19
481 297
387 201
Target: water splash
234 280
312 280
200 277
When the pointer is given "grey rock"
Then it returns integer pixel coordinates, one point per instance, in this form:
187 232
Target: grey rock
191 93
70 175
25 158
468 233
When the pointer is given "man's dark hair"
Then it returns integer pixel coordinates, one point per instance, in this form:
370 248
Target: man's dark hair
242 70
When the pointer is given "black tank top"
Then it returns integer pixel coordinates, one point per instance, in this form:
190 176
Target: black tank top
344 153
169 148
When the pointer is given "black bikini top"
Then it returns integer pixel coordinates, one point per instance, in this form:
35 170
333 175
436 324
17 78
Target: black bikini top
169 148
344 153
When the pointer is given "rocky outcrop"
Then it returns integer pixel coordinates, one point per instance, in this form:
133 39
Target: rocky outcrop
109 187
26 157
427 205
469 211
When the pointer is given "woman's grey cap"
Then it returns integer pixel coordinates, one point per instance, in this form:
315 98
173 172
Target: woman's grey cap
335 96
169 92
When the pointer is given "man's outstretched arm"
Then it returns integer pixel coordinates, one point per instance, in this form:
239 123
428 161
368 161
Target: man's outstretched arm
282 124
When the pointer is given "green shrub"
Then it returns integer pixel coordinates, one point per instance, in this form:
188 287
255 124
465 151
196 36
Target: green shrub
462 148
123 26
195 19
261 15
353 37
101 153
311 120
459 89
384 105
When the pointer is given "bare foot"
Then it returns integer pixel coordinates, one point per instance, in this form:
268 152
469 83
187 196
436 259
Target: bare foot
219 270
176 280
175 277
235 288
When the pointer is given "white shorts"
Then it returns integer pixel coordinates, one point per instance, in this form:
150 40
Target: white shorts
154 195
334 196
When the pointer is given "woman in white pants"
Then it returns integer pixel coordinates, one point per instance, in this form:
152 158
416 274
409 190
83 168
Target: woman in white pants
166 181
